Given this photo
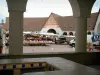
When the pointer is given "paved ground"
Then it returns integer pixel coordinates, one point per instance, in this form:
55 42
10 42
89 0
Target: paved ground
48 48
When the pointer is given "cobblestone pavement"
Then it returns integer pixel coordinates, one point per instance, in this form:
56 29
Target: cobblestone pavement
48 48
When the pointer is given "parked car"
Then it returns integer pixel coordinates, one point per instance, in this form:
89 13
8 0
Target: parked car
60 40
72 43
89 40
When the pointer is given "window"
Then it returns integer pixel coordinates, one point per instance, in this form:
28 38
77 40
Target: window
65 33
89 33
70 33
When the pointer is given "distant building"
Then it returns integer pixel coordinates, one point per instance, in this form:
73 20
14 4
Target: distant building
97 26
55 24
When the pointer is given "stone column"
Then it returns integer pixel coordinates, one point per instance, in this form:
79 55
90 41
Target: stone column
15 32
81 11
16 9
81 34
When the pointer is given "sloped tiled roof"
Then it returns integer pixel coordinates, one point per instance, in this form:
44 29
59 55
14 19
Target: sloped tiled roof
34 24
59 19
91 22
66 23
30 24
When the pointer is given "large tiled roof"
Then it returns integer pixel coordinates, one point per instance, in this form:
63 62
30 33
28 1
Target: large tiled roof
30 24
34 24
91 22
66 23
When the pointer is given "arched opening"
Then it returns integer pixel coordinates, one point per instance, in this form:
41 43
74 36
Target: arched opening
3 15
89 33
70 33
48 26
51 31
65 33
39 4
47 9
96 6
96 9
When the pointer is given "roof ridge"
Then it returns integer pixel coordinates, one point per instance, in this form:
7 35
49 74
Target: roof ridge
57 18
56 14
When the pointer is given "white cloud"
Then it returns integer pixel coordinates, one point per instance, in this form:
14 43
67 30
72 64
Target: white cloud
3 8
3 2
4 11
40 8
96 6
95 9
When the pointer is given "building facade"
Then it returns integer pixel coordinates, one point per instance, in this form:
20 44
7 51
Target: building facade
62 25
97 26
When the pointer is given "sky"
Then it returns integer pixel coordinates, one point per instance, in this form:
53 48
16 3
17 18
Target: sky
43 8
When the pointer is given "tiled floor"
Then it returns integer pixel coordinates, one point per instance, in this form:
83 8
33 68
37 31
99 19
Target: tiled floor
66 67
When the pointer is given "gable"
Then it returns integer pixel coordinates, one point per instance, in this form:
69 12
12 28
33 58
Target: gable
51 22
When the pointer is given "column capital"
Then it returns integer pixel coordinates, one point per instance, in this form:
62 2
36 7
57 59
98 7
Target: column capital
16 5
82 8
